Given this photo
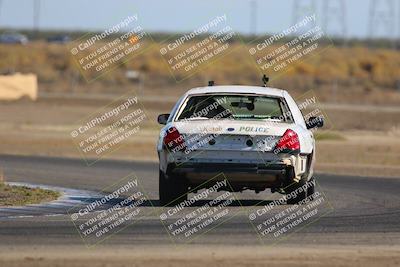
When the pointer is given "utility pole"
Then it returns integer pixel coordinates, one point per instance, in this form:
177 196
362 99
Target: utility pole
36 17
1 5
253 17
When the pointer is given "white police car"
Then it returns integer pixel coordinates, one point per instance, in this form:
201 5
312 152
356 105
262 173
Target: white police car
256 136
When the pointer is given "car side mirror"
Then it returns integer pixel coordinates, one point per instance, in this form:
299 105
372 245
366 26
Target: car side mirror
163 118
315 122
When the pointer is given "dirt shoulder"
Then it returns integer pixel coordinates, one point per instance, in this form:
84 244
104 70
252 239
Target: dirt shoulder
364 153
200 256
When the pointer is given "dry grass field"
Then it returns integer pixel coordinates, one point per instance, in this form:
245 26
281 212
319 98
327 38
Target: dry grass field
345 75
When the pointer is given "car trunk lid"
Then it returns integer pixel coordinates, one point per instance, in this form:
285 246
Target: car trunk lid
240 135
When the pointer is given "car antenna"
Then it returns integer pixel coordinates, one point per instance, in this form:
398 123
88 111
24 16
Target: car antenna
210 83
265 80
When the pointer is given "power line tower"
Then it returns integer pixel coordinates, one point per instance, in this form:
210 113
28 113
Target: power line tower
382 19
303 8
335 18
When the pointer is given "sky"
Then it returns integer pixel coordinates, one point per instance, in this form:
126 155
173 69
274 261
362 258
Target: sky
185 15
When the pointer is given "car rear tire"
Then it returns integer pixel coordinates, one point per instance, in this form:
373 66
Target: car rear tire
172 190
301 195
297 198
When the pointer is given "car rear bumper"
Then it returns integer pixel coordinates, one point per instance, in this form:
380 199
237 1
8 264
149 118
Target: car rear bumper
239 175
245 168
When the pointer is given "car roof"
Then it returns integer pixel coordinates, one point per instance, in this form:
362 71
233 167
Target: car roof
237 89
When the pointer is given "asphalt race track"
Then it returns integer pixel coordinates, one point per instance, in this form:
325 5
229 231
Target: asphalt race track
365 211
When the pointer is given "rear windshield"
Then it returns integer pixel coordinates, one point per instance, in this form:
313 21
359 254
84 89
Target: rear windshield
235 106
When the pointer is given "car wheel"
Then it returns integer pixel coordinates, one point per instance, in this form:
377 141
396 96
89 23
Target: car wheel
172 191
299 196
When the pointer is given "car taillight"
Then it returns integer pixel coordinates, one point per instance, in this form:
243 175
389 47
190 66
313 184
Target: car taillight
173 140
288 142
